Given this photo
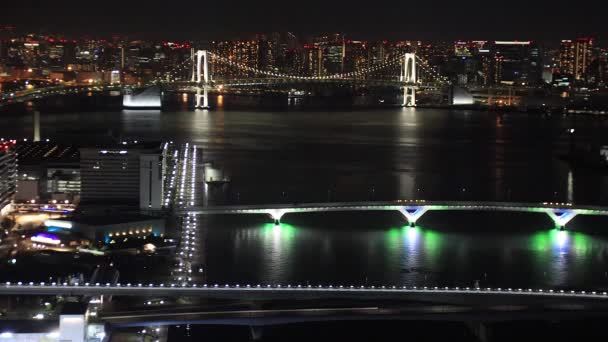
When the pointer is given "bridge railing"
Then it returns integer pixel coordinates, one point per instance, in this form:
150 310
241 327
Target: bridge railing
437 205
140 289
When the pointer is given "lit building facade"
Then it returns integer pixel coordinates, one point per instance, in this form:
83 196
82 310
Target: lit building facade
516 63
151 186
575 58
123 175
313 61
8 176
255 53
583 56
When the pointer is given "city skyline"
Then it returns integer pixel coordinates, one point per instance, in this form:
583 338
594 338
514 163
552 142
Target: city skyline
303 170
195 20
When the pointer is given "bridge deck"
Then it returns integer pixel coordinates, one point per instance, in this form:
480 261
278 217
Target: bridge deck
397 205
276 291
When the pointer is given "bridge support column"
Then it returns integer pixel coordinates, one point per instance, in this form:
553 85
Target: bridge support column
479 329
255 332
202 77
409 77
412 214
561 216
276 216
409 97
202 99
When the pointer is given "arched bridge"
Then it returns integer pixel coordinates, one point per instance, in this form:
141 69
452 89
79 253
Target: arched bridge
412 210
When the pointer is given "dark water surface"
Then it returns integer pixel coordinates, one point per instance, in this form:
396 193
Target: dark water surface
433 154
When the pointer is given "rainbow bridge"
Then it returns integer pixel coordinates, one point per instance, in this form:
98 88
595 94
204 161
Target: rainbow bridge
412 210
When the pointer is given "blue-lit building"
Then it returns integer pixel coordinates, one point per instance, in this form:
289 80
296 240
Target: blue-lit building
105 228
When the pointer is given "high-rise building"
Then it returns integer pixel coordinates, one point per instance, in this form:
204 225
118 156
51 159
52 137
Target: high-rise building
313 61
602 67
516 63
355 55
583 56
333 57
378 52
575 58
123 174
333 52
462 49
151 171
3 51
256 53
8 176
294 62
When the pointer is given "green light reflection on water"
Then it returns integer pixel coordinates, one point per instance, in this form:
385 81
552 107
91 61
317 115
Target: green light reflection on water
432 242
393 236
284 230
410 243
539 241
581 242
561 241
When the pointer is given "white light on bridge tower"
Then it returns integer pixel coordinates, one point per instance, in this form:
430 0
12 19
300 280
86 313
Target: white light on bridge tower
202 76
193 63
408 77
36 126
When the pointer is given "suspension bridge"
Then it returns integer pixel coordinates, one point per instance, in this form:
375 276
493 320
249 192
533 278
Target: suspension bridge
406 72
402 72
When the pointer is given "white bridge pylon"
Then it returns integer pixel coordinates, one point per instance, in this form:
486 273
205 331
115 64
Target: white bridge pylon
202 77
408 76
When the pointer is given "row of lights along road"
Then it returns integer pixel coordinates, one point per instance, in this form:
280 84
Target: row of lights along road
326 288
183 273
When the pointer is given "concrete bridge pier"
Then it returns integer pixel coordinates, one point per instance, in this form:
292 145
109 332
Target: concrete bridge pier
561 217
276 216
202 100
255 332
412 214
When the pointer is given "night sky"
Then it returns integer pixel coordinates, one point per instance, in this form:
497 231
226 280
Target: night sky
367 19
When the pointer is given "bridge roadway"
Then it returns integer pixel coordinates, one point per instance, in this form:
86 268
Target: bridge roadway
412 210
37 93
298 80
275 292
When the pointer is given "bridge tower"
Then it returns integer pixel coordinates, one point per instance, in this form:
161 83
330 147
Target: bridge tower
202 78
408 77
193 63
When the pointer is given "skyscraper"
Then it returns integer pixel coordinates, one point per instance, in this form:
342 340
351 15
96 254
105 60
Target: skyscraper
8 176
516 62
575 58
583 56
256 53
566 58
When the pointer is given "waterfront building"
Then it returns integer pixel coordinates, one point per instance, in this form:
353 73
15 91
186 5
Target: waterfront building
8 176
126 174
